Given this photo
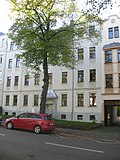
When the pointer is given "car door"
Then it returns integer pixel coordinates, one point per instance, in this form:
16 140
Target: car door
21 121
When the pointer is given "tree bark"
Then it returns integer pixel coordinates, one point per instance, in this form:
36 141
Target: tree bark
45 86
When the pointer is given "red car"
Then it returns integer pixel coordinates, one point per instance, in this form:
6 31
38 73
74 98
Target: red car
31 121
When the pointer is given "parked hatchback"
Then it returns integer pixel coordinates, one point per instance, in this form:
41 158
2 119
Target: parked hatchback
31 121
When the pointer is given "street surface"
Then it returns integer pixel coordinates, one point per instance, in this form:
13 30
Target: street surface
23 145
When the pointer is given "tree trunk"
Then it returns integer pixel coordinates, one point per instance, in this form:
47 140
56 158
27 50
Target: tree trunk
45 86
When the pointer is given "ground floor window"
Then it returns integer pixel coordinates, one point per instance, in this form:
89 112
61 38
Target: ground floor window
79 117
63 116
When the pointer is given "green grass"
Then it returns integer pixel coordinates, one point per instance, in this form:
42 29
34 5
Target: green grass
74 124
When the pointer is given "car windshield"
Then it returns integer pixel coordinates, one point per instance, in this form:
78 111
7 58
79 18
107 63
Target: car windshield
48 117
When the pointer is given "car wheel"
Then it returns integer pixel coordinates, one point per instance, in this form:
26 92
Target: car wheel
37 129
9 125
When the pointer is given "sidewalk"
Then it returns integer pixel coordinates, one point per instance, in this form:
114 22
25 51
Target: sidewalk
105 134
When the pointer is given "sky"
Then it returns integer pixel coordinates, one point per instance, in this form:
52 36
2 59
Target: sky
5 21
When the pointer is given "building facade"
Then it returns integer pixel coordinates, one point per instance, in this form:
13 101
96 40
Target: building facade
111 70
88 92
3 40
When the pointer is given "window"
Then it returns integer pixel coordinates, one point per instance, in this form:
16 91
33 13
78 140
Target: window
10 63
36 97
109 81
92 98
116 32
37 79
1 59
11 46
64 100
80 54
26 80
64 77
92 52
91 30
80 76
0 76
92 75
79 117
50 78
25 100
63 116
16 80
119 79
8 81
7 100
15 100
118 55
113 32
110 33
80 99
3 42
13 114
92 117
17 62
108 56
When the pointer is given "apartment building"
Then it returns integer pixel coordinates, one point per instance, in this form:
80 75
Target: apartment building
2 65
111 71
88 92
73 94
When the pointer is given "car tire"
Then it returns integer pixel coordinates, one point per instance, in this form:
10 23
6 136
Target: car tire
37 129
9 125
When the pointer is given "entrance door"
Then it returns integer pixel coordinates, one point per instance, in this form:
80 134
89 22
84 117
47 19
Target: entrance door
49 109
112 112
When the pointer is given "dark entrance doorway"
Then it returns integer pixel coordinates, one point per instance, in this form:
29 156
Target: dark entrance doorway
112 112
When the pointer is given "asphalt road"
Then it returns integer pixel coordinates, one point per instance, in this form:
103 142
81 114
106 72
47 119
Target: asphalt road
23 145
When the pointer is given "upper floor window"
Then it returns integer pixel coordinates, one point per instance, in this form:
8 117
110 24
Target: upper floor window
36 98
91 29
10 63
80 100
92 98
64 77
50 78
15 100
118 55
26 80
0 76
113 32
116 32
8 81
17 62
80 54
37 79
92 75
92 52
11 46
1 58
110 33
16 80
108 56
80 76
25 100
3 42
64 100
109 80
119 79
7 100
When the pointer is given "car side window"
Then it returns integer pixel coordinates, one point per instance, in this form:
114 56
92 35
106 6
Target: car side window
34 116
24 115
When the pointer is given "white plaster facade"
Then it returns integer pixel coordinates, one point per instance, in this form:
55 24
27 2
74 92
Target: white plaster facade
71 88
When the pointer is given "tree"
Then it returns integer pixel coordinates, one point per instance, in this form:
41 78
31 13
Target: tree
45 30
